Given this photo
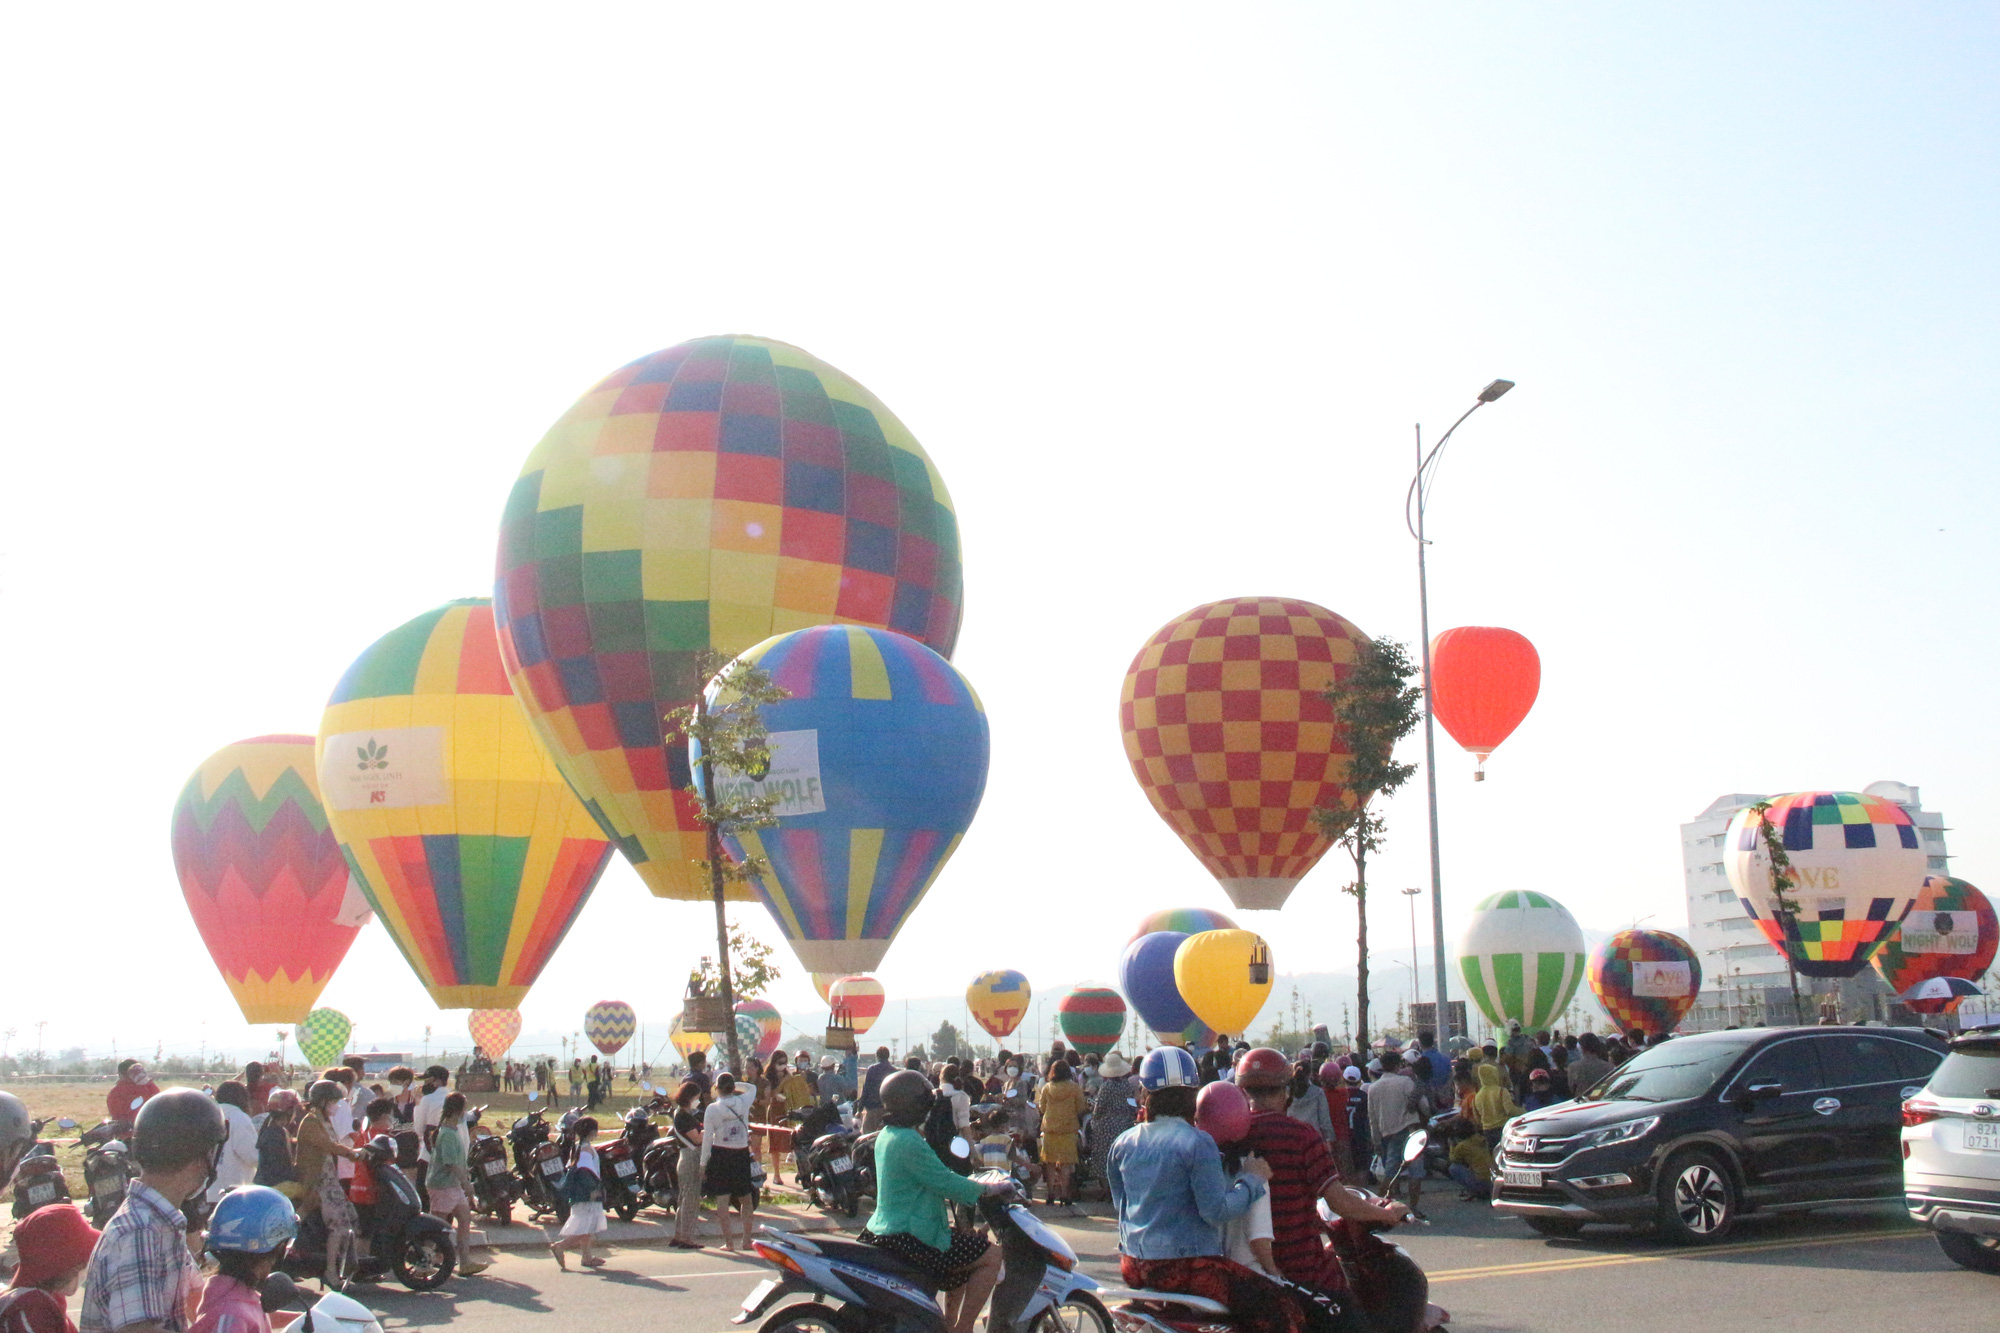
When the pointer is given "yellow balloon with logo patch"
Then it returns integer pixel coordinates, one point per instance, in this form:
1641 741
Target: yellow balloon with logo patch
1225 977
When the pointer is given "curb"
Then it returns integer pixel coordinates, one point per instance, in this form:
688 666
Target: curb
519 1235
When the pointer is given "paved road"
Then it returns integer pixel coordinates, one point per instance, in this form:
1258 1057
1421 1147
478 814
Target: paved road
1826 1273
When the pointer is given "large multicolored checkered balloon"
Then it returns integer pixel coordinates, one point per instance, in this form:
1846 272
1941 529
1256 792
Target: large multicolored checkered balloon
263 875
494 1030
1952 931
609 1024
705 497
1228 734
999 1001
1092 1018
878 761
1522 958
1856 866
322 1036
1645 979
1186 920
770 1026
461 831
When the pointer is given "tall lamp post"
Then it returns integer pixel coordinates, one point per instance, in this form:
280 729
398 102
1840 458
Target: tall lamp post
1413 518
1416 977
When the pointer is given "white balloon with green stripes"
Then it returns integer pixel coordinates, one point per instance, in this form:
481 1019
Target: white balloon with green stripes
1522 958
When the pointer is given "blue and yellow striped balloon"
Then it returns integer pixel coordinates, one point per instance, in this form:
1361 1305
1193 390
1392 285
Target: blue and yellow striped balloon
878 760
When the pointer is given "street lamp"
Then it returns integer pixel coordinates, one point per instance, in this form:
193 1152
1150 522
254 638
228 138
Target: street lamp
1413 518
1416 977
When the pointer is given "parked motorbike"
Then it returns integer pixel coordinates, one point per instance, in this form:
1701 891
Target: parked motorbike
494 1188
108 1167
38 1178
331 1313
660 1168
829 1170
873 1291
622 1162
538 1165
398 1236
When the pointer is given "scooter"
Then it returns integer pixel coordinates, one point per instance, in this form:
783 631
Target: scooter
397 1237
873 1292
828 1169
538 1165
333 1312
108 1168
1388 1283
660 1168
624 1192
38 1178
494 1188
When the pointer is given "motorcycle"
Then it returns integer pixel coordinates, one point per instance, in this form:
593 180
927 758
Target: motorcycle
494 1188
333 1312
538 1164
107 1168
873 1292
660 1168
829 1170
397 1237
621 1161
38 1178
1389 1285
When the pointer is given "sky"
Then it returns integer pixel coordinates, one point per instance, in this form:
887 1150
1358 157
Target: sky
286 299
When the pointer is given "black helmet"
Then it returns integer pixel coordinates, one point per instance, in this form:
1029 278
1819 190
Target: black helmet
177 1127
906 1098
325 1090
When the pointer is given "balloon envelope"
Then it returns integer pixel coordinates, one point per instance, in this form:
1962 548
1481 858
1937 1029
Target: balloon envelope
468 844
1215 971
322 1036
823 983
878 760
1522 957
707 496
1857 867
609 1024
1483 682
494 1030
1229 737
860 998
1645 979
1092 1018
1950 932
770 1026
1186 920
1146 975
263 875
687 1043
999 1001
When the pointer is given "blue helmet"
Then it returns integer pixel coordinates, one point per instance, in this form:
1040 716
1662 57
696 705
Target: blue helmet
251 1219
1167 1067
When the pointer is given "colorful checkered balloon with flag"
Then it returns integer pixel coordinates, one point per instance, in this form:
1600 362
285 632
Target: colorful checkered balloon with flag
1645 979
1951 932
494 1030
1522 958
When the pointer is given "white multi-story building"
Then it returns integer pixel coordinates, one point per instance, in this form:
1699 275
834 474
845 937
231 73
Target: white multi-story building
1737 963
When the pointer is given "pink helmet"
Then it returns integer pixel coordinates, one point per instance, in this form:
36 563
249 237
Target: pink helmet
283 1100
1222 1111
1329 1072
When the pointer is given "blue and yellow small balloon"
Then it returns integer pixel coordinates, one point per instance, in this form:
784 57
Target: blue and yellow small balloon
878 761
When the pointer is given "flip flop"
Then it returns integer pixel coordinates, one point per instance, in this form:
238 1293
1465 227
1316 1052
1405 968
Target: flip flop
561 1262
594 1262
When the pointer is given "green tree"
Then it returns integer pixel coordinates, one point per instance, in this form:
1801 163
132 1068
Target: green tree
947 1042
751 970
1783 880
729 732
1376 707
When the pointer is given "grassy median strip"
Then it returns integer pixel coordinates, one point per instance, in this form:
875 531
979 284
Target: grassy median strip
1612 1260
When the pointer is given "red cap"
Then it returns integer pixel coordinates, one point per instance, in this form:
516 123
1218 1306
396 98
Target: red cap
52 1240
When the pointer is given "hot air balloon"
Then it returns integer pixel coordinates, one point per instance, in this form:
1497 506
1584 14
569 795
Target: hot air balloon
1226 977
999 1001
1950 932
264 877
687 1043
705 497
860 999
1092 1018
878 760
494 1030
1522 958
322 1036
1645 979
823 983
1483 682
1186 920
770 1026
1229 736
1856 866
465 838
1146 975
609 1024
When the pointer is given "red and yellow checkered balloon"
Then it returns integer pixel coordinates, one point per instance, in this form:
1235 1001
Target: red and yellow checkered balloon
1229 736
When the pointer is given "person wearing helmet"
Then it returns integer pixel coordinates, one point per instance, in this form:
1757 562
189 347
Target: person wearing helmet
321 1195
276 1166
55 1243
134 1088
912 1187
142 1276
17 1133
247 1233
1302 1173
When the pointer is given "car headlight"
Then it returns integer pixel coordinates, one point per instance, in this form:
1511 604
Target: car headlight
1622 1132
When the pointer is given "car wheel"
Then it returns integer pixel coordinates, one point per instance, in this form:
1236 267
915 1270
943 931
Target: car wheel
1697 1199
1560 1227
1979 1253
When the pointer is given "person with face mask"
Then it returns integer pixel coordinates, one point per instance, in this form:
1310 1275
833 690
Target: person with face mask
134 1088
141 1277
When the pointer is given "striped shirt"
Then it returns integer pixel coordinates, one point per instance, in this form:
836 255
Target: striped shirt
1301 1169
142 1271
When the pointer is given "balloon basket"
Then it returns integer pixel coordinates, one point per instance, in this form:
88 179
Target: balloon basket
840 1039
706 1013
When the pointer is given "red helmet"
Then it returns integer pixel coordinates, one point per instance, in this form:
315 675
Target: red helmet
1263 1069
1222 1111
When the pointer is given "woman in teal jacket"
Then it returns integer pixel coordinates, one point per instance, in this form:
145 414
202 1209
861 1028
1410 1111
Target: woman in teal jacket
911 1221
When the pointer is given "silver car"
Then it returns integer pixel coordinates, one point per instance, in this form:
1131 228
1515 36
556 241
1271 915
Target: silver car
1951 1152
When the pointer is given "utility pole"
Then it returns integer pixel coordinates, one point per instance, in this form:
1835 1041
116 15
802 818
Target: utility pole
1416 977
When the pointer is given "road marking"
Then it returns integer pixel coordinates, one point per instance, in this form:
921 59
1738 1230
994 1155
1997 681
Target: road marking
1533 1267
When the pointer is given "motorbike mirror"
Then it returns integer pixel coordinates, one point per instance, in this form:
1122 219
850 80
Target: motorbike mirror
1413 1147
534 1096
138 1102
959 1147
277 1291
65 1123
1013 1092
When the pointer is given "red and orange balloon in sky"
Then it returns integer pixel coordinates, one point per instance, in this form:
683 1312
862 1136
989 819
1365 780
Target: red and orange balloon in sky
1483 682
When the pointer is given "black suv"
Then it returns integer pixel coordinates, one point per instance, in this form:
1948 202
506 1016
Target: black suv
1692 1133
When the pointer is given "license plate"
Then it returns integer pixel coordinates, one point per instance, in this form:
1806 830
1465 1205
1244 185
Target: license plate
1522 1180
758 1293
41 1194
628 1168
496 1168
840 1165
1983 1136
552 1167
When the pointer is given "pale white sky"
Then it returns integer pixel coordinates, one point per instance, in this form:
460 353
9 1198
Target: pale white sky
288 297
